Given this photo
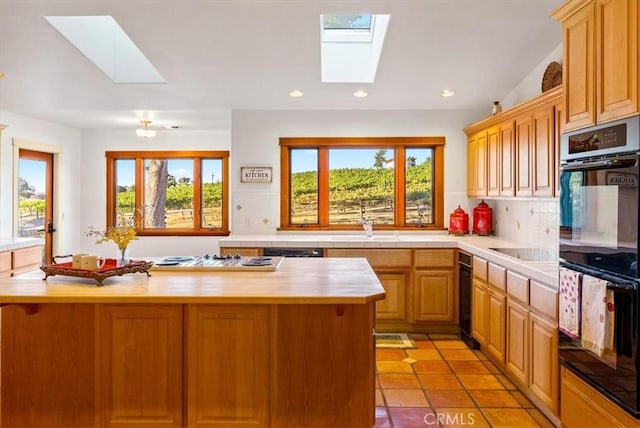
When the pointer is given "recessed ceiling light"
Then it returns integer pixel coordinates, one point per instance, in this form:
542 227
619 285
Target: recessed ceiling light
296 93
447 92
360 94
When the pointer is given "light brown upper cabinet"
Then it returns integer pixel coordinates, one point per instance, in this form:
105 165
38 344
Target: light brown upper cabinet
477 164
515 153
600 69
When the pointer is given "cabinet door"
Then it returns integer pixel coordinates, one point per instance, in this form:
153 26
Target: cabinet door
5 264
472 156
247 252
517 356
507 166
25 259
435 296
493 162
543 354
496 325
543 151
481 165
140 373
617 59
394 305
578 69
227 357
523 150
479 311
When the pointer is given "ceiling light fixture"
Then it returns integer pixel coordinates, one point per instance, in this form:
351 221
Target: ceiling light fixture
1 74
296 93
360 94
447 92
145 132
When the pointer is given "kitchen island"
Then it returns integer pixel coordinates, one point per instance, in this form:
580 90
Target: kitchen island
290 348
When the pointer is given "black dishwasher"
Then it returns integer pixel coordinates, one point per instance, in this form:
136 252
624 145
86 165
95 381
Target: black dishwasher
465 273
292 252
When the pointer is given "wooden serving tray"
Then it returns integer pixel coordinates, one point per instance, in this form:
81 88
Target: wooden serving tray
109 269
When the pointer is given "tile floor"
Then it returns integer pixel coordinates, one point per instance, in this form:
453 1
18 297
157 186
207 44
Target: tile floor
442 384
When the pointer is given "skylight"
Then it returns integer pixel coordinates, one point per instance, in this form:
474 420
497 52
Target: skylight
347 28
350 47
105 43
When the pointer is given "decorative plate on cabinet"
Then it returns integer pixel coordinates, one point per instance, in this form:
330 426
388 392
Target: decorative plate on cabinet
552 76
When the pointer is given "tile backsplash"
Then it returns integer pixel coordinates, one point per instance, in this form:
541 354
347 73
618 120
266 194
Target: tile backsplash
531 222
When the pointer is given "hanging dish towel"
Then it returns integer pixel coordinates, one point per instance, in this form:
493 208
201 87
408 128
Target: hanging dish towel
569 310
594 314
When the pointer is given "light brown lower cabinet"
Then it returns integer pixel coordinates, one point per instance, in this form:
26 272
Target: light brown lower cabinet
394 305
517 329
583 406
543 354
517 355
228 365
496 310
187 365
139 356
479 303
435 295
13 262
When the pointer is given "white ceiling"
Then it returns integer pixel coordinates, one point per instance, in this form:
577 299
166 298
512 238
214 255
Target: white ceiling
218 55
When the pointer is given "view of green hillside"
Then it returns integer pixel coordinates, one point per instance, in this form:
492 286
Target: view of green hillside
371 188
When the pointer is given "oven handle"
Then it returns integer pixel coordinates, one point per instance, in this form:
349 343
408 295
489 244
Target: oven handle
604 164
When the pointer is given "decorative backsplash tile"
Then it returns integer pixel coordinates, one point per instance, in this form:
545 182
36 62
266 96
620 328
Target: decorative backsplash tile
525 221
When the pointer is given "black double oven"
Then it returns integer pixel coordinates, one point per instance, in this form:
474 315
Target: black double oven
599 224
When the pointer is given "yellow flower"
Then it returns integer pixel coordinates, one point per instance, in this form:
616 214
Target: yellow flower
121 234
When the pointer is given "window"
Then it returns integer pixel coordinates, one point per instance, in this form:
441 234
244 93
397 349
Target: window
335 183
169 193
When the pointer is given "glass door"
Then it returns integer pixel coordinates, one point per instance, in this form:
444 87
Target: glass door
35 198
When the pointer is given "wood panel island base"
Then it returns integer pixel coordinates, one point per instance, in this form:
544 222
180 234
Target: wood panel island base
291 348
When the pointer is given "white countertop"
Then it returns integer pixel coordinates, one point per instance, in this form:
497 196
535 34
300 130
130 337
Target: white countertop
7 244
542 271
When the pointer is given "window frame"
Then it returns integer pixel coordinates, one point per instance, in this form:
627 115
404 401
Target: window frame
139 157
399 144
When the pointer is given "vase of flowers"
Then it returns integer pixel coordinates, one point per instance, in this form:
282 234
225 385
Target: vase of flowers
121 234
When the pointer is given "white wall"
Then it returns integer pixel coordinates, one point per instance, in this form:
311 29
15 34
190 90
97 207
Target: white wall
96 143
531 85
49 137
255 208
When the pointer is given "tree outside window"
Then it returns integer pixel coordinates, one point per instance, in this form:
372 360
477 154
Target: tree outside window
169 193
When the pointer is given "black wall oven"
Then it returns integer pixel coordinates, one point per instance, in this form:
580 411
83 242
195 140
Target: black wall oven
598 250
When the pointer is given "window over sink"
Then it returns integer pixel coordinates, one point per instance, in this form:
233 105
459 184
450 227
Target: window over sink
334 183
169 192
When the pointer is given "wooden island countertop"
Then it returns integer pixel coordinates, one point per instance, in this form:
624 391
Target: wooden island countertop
289 348
297 280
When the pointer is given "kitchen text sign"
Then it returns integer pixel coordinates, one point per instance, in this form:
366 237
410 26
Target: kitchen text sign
255 174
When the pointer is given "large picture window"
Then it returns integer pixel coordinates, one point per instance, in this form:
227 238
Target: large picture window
169 193
335 183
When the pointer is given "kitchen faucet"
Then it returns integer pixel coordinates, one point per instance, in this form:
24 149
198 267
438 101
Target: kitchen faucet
367 225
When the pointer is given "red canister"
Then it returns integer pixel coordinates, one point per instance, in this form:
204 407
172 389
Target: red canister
482 219
459 222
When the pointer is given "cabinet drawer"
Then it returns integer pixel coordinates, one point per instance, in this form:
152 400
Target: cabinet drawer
498 276
434 258
544 300
376 258
480 268
518 286
5 261
26 257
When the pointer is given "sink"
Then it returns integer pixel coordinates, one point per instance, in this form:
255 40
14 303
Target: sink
529 254
364 238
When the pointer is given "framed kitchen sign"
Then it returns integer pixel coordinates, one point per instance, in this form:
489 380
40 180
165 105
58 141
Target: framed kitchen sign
255 174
